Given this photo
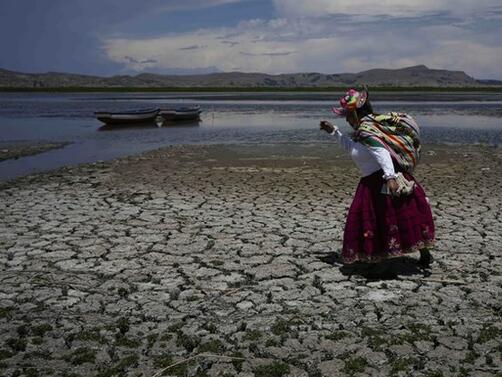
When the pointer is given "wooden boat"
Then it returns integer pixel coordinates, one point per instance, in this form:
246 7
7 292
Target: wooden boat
144 116
181 114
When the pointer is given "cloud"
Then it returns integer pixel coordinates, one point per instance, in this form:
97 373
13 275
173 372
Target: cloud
394 8
328 36
176 5
194 47
286 53
255 52
327 44
140 64
62 35
131 60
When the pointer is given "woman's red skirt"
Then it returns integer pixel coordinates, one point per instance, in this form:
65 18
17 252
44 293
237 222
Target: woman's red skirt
380 226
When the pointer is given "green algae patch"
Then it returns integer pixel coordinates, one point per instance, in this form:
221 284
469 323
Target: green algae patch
275 369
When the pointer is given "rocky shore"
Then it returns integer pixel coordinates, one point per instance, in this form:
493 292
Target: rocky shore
223 261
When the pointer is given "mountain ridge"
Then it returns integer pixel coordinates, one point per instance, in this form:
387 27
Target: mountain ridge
413 76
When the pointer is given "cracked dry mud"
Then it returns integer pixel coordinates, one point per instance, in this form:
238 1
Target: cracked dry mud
127 267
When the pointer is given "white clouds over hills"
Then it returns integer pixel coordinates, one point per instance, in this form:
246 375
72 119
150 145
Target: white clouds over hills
333 36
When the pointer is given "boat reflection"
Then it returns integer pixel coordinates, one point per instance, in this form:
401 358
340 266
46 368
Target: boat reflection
127 126
178 123
159 123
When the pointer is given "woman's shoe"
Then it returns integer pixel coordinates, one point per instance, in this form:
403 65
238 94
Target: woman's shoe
425 258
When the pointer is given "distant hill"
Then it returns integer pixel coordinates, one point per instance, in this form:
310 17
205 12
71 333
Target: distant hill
416 76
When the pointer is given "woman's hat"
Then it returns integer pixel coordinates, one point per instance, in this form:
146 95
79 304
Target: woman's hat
352 100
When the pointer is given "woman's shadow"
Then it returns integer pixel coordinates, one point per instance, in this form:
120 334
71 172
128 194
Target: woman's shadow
388 269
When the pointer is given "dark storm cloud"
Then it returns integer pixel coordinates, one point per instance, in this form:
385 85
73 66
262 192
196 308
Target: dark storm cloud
268 53
193 47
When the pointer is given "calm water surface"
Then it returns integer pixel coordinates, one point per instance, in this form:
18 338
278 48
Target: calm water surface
226 118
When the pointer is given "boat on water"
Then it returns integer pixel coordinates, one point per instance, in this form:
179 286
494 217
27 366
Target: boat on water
191 113
144 116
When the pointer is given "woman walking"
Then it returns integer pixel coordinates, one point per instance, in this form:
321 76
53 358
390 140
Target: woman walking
390 215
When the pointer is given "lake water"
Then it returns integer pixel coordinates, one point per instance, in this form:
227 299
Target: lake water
226 118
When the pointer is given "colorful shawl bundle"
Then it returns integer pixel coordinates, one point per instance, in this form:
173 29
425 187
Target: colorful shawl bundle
397 132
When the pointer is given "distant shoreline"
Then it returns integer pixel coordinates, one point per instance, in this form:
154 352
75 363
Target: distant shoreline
486 89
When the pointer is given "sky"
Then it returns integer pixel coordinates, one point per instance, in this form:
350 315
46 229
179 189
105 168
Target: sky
114 37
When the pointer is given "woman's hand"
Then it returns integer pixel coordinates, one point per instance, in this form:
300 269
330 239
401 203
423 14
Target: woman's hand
327 126
393 187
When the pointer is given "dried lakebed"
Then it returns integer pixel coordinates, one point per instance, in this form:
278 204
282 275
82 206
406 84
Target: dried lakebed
225 259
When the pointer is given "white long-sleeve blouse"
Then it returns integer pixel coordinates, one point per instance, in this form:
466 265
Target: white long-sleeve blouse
367 159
